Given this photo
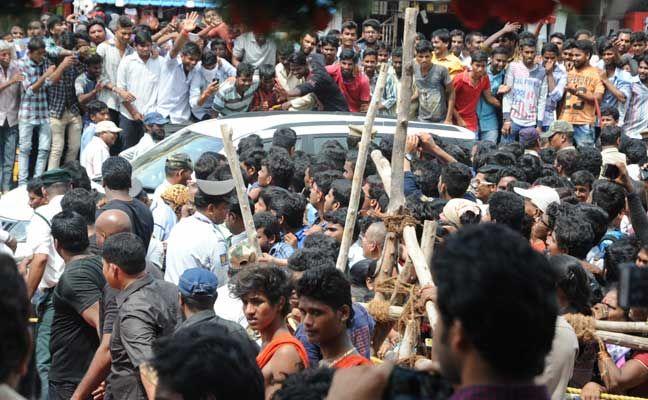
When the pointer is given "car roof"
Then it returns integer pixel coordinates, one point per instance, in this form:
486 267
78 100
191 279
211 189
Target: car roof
14 205
310 123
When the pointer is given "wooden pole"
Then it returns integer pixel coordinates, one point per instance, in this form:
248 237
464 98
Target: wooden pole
621 339
358 173
408 342
384 169
394 311
622 326
241 193
427 242
396 194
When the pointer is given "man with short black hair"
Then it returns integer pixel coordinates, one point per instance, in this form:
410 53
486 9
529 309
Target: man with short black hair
177 71
370 35
286 138
276 170
610 141
317 81
76 305
435 92
236 97
325 304
147 310
116 173
523 105
442 55
454 181
583 91
353 83
508 360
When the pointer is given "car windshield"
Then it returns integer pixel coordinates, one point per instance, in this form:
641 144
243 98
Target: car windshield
149 168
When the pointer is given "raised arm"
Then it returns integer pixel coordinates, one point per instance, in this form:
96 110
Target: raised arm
188 25
509 27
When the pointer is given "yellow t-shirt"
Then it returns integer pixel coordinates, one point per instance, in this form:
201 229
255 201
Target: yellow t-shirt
576 110
451 62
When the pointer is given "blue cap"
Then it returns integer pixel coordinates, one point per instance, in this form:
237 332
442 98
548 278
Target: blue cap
154 118
198 282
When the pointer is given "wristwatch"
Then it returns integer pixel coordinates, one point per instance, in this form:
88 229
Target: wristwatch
409 157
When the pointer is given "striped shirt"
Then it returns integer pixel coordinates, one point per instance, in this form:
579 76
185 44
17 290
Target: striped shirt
228 101
622 80
33 105
637 116
111 58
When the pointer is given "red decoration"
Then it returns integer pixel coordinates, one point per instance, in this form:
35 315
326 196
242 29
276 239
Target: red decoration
475 13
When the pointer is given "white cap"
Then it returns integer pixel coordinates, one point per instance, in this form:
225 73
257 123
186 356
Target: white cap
107 126
540 196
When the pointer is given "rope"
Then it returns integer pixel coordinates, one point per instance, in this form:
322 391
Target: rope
396 223
608 396
379 310
584 326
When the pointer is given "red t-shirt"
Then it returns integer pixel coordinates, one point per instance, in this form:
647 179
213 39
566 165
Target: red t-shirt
467 96
641 390
355 91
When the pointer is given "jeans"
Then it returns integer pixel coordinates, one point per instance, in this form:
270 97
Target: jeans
72 124
62 390
25 131
8 138
489 135
131 134
45 312
583 135
513 135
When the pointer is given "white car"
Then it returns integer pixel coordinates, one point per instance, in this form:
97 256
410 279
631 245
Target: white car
15 215
313 130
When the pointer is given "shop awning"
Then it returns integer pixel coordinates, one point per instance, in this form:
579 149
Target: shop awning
164 3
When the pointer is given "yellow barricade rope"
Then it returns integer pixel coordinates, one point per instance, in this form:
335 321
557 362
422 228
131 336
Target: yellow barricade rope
607 395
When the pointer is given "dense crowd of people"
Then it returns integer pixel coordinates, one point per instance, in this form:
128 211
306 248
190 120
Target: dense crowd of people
137 295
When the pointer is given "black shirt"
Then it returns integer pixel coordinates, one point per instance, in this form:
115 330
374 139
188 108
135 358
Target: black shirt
146 310
73 341
209 317
139 214
327 91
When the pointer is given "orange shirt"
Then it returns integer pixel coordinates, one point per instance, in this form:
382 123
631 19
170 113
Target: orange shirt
265 355
576 110
352 360
450 61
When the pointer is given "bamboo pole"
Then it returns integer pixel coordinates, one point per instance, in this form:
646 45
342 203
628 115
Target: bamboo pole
396 194
428 240
244 201
408 342
622 339
383 168
394 311
358 173
622 326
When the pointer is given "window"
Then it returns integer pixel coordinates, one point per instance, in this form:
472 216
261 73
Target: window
149 168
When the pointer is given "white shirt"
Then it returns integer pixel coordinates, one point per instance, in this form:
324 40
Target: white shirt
229 307
559 363
196 242
145 143
40 241
201 79
10 97
142 80
157 194
248 50
164 219
93 156
173 91
355 253
111 59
